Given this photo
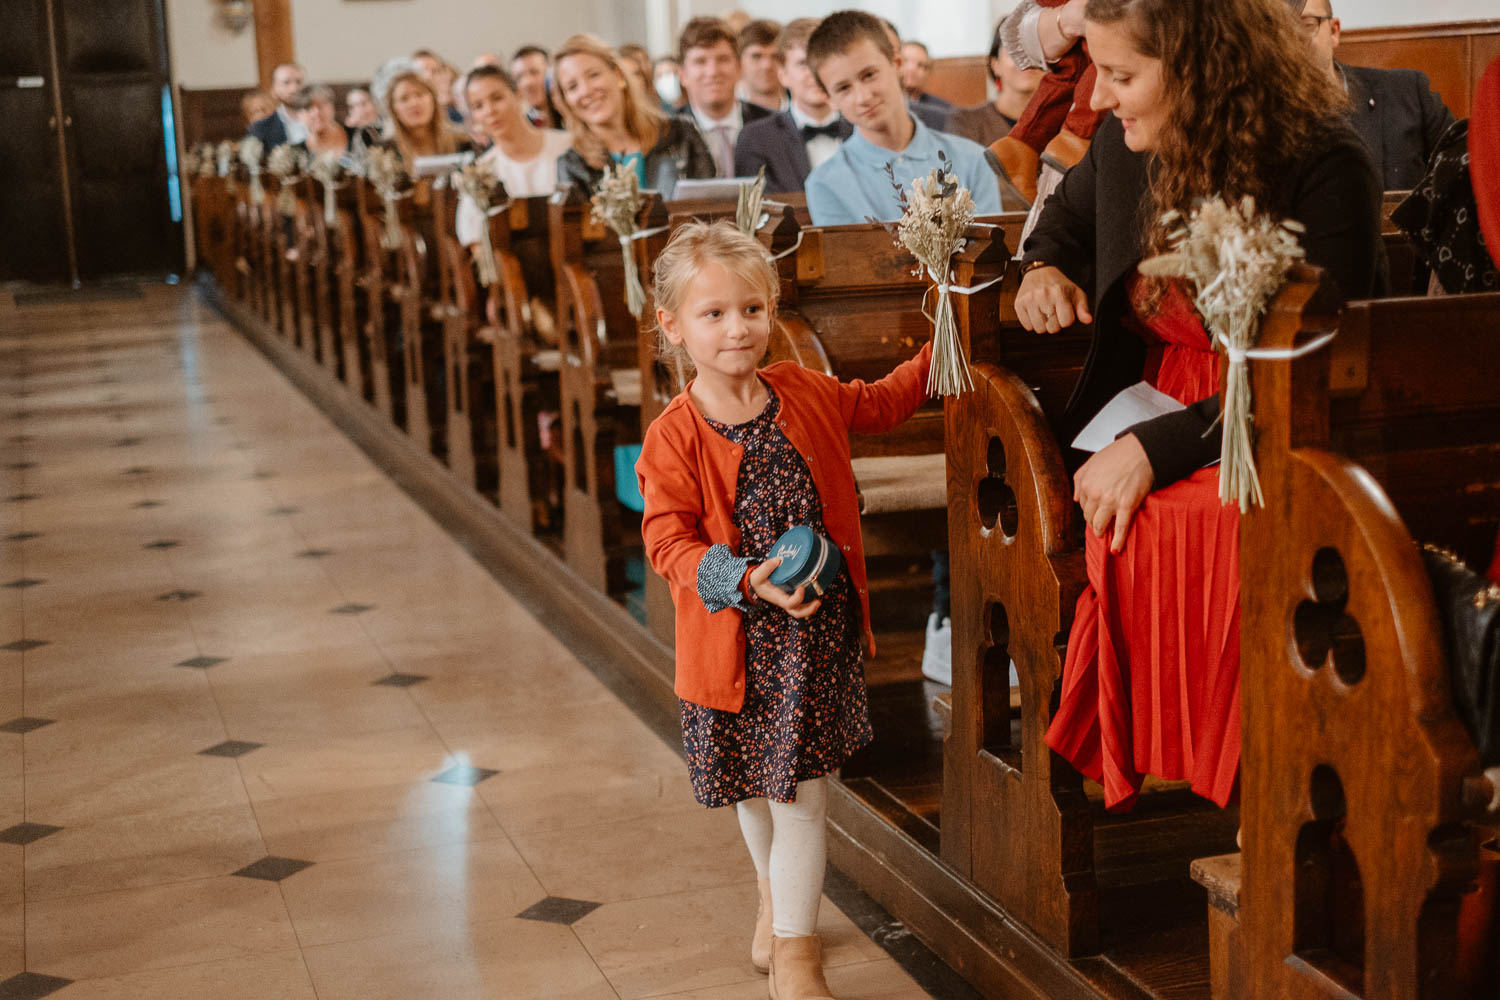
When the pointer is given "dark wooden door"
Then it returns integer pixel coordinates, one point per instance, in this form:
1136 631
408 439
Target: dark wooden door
90 137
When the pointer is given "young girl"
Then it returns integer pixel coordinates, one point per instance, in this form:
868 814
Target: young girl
771 684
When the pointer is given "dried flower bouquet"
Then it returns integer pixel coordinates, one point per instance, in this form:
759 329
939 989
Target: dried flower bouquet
479 182
617 203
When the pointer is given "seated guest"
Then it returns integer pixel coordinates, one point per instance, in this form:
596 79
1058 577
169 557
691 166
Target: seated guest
931 115
360 110
791 143
531 69
852 58
611 121
760 83
440 73
1151 681
851 55
666 77
281 126
994 119
710 57
522 156
1395 111
916 67
637 63
313 105
255 105
416 127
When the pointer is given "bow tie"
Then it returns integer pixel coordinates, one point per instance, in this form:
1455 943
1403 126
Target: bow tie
811 132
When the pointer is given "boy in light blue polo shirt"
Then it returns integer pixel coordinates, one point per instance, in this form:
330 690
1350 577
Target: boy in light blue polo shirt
852 57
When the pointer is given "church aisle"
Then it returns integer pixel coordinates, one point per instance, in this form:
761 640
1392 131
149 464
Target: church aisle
267 731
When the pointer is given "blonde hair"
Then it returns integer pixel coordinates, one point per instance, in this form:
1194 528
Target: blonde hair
444 139
693 247
643 117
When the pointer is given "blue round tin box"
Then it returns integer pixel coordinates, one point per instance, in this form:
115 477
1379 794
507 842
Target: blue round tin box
807 559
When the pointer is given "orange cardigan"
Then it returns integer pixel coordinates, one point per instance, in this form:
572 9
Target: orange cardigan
689 475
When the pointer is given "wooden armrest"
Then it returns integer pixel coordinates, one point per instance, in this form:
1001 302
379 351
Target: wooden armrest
895 483
1220 876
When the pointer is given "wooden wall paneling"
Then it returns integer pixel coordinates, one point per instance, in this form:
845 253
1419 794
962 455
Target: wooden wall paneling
273 37
961 81
1484 50
210 114
1444 60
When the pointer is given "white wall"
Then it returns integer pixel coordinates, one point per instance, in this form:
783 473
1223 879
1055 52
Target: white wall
346 39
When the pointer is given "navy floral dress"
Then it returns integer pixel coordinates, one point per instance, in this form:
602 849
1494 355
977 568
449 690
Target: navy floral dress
806 708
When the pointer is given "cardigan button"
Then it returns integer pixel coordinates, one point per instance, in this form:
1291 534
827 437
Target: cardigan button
739 684
846 548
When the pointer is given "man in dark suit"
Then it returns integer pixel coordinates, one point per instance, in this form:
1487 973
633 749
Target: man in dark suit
790 143
281 126
710 59
1394 111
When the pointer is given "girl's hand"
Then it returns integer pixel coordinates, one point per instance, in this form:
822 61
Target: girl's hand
1111 485
1047 301
792 604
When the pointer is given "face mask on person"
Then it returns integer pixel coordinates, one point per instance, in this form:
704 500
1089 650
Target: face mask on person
669 88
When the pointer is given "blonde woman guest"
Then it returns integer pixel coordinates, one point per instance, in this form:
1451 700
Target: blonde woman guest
612 121
416 127
522 156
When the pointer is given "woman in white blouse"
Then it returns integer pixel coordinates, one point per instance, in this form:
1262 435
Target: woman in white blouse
521 155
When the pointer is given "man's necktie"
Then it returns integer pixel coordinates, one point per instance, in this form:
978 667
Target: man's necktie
723 151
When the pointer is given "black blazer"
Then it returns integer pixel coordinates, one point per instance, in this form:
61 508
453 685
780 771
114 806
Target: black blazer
270 130
1091 230
776 144
679 153
1399 118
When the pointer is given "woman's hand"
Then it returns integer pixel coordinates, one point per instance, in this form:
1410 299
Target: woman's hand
1059 28
1047 301
1111 485
792 604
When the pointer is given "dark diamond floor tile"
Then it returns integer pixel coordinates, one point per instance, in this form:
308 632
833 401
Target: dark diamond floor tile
137 470
26 833
22 438
22 583
558 910
21 466
179 595
223 421
22 497
31 986
399 680
24 724
147 504
22 645
261 474
283 511
314 553
352 609
203 662
463 774
273 869
162 543
23 536
230 748
128 442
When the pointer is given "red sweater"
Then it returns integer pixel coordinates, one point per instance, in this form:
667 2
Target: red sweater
689 476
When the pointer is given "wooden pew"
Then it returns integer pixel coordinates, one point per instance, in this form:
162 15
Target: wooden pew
1359 784
213 228
333 260
386 277
423 277
598 339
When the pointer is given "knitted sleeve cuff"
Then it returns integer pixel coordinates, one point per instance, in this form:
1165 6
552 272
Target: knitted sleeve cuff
719 574
1020 37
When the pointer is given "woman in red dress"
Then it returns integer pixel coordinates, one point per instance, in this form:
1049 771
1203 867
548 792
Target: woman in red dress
1207 97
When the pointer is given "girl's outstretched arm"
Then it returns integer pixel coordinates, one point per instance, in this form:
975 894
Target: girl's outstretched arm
876 407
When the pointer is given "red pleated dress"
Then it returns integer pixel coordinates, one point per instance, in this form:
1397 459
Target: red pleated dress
1151 684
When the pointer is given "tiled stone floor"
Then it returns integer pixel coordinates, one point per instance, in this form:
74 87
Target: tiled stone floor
266 731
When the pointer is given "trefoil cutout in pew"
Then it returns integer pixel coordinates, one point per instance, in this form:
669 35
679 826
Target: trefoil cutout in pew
384 169
251 152
617 203
808 559
479 181
328 170
1237 260
936 214
287 164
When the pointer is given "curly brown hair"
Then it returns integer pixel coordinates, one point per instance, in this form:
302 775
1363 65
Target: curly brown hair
1245 98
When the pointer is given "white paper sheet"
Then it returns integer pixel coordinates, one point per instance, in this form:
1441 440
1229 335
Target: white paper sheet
1129 407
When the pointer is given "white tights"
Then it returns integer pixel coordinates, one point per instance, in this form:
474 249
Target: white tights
788 842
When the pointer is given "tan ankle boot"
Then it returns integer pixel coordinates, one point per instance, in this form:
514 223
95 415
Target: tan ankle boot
760 944
797 969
